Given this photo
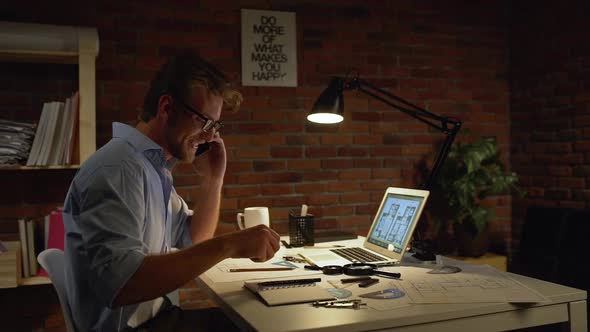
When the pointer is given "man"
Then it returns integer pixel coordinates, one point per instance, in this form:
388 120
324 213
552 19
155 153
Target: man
122 215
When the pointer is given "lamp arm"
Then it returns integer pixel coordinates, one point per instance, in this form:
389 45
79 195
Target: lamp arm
422 250
415 111
448 126
415 114
442 154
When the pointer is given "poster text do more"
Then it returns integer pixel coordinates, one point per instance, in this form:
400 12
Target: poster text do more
268 48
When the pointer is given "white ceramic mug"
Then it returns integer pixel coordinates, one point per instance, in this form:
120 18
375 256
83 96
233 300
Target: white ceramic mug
253 216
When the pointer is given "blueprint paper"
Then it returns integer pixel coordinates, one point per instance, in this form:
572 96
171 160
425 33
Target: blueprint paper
475 284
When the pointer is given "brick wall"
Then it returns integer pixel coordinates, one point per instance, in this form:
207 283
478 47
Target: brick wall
451 59
550 106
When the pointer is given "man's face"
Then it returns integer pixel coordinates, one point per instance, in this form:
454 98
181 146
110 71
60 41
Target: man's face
185 128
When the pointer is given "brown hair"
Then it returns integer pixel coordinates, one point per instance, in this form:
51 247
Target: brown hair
179 74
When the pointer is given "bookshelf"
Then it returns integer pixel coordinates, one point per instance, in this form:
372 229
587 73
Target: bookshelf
36 168
42 43
32 281
11 268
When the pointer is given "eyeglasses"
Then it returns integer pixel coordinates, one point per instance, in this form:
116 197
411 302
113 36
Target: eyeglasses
207 123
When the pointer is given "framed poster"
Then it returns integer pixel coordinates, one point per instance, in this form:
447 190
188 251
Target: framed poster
269 54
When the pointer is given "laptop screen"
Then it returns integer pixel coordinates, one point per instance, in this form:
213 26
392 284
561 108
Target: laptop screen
395 221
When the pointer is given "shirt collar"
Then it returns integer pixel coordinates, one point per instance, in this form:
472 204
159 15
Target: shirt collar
143 144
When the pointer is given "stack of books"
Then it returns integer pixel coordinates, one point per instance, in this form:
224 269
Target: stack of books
55 135
36 235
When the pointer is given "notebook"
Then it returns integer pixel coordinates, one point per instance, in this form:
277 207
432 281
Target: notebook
280 292
388 236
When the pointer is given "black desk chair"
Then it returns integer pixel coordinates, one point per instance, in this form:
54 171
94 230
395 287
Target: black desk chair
574 247
553 246
540 243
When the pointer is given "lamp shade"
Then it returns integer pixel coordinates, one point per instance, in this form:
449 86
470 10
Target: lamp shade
329 106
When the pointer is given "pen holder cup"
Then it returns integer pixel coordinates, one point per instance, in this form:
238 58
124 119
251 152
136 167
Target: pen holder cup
300 230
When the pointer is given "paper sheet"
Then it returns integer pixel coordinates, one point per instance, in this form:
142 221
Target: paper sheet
475 284
220 272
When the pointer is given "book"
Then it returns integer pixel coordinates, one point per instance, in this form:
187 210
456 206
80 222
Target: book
47 133
279 292
32 256
58 147
39 136
24 247
41 240
49 142
56 232
46 230
72 127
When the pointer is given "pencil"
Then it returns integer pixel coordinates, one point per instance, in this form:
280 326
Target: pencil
255 269
323 247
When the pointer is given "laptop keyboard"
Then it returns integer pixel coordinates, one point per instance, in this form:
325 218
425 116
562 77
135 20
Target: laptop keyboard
357 255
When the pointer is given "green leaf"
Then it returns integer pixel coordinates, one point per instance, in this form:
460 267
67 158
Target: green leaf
472 172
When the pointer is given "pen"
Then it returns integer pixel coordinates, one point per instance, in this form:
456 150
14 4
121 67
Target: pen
349 280
255 269
303 210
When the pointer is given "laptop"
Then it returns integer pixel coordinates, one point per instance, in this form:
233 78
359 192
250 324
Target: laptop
388 236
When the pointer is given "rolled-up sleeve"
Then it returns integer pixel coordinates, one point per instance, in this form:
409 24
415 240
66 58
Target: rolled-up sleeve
111 222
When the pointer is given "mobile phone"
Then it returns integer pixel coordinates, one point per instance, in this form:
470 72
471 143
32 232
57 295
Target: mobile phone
202 148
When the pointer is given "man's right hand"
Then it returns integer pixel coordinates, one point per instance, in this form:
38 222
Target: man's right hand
259 243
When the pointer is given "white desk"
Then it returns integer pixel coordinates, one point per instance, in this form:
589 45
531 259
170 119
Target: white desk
249 313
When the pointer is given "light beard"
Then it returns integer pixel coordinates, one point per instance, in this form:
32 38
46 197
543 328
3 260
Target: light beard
190 154
186 153
180 150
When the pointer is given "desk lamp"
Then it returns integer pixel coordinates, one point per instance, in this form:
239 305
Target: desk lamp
329 108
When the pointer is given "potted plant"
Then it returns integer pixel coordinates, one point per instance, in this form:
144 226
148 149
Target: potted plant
471 172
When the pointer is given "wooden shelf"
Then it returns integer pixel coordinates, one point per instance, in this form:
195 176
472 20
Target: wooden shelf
39 57
31 281
11 268
45 43
53 44
37 168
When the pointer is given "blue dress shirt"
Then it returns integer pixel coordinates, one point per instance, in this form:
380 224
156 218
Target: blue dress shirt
121 206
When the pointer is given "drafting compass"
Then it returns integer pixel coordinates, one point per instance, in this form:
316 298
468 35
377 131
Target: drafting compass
353 304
